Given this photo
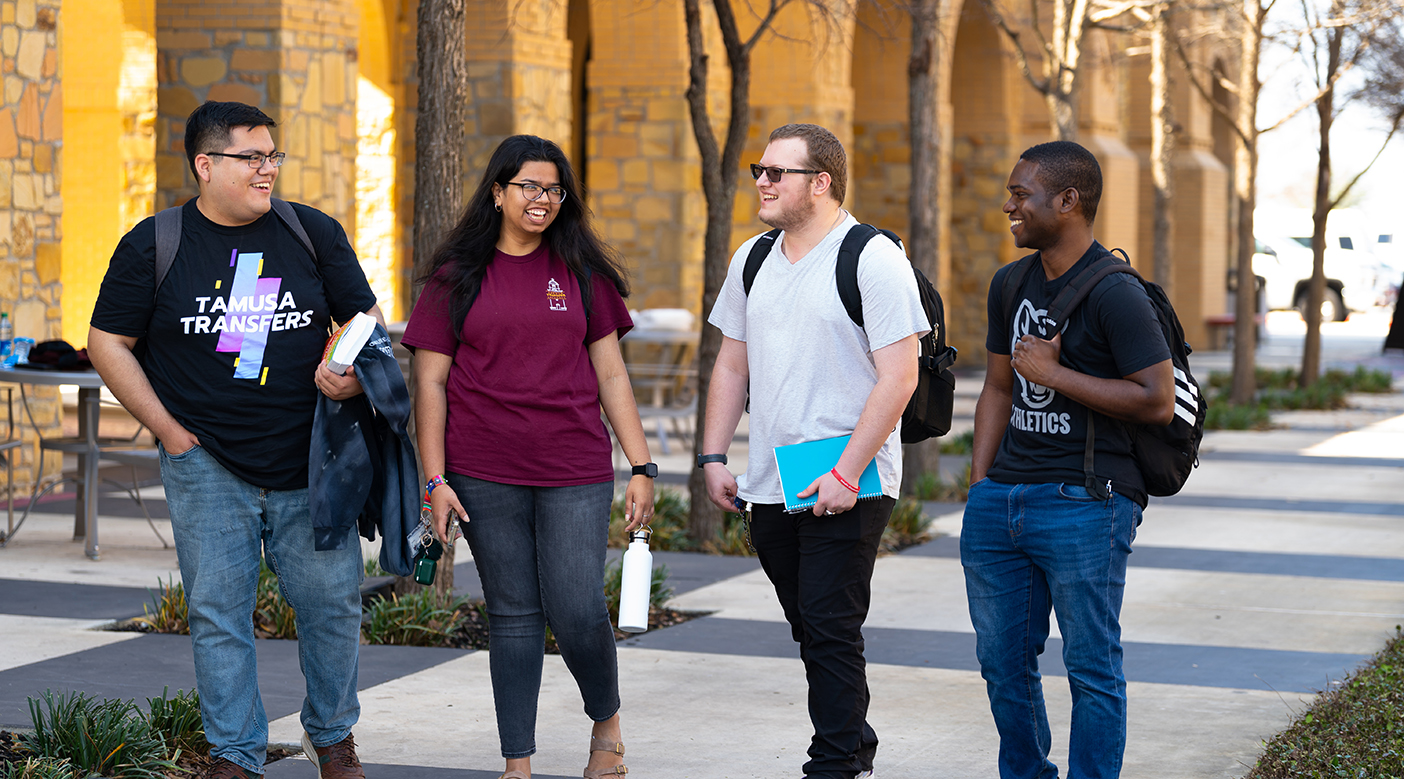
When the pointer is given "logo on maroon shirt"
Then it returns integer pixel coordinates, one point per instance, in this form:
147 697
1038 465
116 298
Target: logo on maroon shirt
555 298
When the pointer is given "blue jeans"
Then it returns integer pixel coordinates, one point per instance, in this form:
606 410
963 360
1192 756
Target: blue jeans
1026 549
540 552
223 526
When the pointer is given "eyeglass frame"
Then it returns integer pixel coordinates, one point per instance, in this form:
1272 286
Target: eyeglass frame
277 158
544 191
757 169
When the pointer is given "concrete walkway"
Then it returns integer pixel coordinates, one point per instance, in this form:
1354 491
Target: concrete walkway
1277 570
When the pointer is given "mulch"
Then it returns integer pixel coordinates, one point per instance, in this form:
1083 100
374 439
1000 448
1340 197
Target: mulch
474 633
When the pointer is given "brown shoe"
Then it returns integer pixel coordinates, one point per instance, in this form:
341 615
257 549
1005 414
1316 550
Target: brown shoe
224 769
338 761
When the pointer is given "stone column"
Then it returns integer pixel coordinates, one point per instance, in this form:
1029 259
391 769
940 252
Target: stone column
295 59
1201 240
518 76
642 161
880 155
1103 132
800 72
31 140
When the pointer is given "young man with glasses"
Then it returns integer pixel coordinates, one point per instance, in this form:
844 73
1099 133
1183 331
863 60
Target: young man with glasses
227 380
813 374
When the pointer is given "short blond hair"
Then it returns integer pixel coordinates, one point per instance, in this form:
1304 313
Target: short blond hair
824 151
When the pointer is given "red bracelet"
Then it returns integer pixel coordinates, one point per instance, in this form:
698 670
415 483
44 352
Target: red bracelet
834 472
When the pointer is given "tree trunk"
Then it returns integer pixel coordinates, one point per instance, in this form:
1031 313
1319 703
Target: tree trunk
923 201
1162 151
1316 289
720 166
1245 174
438 164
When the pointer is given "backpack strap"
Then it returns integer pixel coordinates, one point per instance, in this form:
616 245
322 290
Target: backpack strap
846 269
168 222
759 251
168 226
1013 282
285 212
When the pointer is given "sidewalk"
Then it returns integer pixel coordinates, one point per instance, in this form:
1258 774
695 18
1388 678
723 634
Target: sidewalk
1276 571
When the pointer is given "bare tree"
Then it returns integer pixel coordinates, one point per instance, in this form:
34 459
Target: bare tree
1384 91
439 134
1162 155
923 201
1332 44
1060 55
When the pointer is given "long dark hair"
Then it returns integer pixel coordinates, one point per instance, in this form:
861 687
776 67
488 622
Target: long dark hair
467 250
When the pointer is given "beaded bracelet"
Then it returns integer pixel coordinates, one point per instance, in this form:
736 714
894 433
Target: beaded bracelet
834 472
432 483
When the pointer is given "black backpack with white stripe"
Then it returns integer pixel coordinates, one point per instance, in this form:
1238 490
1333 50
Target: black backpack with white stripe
1165 454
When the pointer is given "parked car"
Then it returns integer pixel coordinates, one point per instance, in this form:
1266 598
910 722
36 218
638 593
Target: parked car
1354 279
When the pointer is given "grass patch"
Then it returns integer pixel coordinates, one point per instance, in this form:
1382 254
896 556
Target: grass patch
1355 729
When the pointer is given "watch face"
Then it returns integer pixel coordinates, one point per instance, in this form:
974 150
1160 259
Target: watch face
647 469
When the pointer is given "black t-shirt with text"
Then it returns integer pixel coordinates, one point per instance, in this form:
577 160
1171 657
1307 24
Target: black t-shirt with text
1112 334
237 331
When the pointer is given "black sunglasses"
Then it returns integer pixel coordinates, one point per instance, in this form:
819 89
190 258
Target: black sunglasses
774 173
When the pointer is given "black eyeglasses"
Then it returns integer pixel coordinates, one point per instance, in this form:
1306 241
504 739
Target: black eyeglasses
533 192
255 160
774 173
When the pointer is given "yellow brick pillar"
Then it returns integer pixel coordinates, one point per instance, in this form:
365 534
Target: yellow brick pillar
31 141
642 163
990 103
880 156
1200 242
1101 130
295 59
519 60
800 72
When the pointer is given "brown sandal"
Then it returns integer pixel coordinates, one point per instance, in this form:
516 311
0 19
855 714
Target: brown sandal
603 745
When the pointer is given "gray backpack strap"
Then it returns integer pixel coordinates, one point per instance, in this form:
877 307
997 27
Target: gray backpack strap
167 241
285 212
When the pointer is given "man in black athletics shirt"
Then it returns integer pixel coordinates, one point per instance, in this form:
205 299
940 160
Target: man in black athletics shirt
1034 540
227 379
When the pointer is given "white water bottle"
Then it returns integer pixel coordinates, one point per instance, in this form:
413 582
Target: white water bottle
636 583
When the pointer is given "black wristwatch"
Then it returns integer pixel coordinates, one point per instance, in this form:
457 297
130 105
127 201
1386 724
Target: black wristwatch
647 469
703 459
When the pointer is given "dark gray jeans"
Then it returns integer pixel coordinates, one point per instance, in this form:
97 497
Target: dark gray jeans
540 552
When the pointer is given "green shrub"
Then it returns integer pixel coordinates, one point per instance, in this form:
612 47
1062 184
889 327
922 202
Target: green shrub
171 613
177 720
273 617
107 737
373 568
671 509
931 486
960 444
659 592
906 527
40 768
1223 415
421 618
1355 729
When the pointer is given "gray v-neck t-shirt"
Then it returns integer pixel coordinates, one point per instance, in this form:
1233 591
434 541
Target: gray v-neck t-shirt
811 367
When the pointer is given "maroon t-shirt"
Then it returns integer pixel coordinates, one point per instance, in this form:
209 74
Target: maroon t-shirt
523 400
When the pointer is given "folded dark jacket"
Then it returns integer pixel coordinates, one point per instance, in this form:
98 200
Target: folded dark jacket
362 470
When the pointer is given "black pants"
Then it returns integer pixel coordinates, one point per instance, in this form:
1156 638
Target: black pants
822 569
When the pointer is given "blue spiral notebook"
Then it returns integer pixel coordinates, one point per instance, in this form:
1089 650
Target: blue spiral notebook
801 464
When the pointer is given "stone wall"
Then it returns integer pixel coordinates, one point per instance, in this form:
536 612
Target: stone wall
31 144
295 59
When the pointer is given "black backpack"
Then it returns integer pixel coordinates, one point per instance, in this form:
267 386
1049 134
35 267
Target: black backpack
1165 454
928 413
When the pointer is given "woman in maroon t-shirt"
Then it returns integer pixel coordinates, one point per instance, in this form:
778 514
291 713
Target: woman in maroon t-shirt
517 337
